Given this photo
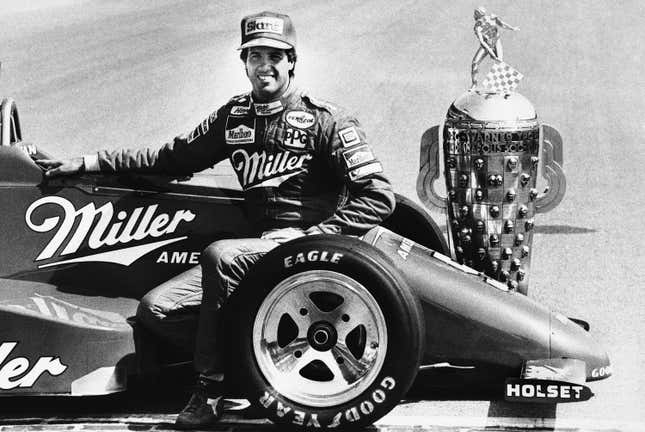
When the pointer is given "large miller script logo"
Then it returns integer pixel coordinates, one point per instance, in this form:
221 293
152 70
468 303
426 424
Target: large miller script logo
265 170
100 227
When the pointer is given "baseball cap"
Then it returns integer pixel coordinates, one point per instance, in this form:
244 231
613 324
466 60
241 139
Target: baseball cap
268 29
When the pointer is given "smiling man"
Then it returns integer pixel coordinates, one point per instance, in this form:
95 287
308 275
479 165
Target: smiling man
305 168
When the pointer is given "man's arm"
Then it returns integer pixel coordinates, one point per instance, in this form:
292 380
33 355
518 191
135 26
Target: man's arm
200 149
505 25
369 198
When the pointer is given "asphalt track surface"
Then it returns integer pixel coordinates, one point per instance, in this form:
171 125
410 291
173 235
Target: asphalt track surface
90 74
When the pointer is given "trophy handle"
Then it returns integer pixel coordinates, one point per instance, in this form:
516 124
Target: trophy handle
551 170
429 170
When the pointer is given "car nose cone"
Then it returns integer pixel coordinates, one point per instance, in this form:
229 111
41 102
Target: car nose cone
570 340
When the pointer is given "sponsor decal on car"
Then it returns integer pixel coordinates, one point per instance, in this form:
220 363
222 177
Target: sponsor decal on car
358 155
300 119
363 407
602 372
264 25
545 391
266 170
58 309
176 257
365 170
405 247
266 109
295 138
312 256
99 227
20 372
240 110
349 136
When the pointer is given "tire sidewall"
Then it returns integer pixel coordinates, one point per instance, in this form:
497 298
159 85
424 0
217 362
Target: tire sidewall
401 310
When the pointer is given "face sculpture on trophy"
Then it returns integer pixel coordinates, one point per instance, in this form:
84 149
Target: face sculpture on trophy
492 144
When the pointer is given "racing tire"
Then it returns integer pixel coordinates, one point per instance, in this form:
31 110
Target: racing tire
328 334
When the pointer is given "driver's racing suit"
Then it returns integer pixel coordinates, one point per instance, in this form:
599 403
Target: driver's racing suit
302 164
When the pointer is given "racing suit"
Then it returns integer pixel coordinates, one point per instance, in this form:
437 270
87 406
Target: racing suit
303 164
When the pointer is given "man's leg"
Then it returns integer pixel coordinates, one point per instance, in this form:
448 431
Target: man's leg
224 264
477 59
168 313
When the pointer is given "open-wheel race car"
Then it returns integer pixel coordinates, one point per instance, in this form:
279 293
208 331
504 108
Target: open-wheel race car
325 331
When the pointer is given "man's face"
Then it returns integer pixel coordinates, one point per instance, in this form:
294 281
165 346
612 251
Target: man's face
268 70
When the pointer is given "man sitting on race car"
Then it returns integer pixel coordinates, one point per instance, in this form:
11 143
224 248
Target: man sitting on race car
304 166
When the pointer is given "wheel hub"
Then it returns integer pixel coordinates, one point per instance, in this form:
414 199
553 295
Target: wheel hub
322 336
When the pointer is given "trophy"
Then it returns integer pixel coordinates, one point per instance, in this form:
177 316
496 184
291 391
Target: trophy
493 146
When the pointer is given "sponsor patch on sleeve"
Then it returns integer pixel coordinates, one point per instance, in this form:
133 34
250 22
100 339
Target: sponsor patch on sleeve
365 170
358 155
205 126
195 134
349 136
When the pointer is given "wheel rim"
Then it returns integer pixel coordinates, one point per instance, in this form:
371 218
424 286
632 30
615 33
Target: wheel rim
320 338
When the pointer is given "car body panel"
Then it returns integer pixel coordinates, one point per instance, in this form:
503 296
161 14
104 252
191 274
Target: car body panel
88 247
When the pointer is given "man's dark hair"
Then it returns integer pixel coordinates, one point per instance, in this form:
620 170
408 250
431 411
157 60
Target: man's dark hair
291 56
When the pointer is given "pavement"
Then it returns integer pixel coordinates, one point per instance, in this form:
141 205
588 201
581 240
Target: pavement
91 74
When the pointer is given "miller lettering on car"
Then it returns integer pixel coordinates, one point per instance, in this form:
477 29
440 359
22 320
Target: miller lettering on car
16 373
141 223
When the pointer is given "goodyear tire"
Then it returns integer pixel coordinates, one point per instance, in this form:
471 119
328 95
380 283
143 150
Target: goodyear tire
329 335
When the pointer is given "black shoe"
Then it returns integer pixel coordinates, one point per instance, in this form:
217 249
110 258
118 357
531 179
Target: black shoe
200 410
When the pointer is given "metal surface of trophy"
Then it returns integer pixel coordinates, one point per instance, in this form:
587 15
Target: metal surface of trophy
493 145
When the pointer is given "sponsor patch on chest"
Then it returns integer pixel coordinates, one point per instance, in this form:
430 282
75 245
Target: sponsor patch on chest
295 138
300 119
239 131
266 109
240 110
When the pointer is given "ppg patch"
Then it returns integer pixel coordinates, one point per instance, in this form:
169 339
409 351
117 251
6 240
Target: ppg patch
358 155
365 170
239 130
349 136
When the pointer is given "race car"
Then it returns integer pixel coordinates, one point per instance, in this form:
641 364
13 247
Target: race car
328 331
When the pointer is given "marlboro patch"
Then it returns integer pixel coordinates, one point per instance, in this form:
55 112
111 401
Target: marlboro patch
239 130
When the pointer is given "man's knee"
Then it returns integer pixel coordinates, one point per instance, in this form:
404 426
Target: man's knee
219 255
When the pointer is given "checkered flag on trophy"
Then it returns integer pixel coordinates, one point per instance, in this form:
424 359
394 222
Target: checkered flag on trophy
502 78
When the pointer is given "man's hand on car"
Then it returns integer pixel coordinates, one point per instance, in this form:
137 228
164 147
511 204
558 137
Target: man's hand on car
54 167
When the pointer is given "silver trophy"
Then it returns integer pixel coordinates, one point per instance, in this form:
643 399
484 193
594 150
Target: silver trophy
493 146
